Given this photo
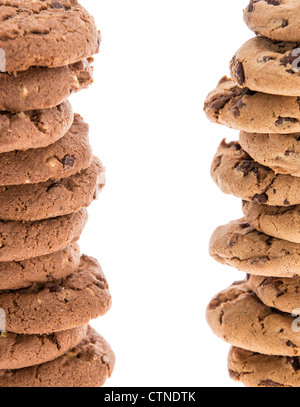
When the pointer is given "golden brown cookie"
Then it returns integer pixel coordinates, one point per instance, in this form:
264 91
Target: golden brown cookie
277 221
90 364
67 156
237 316
276 19
239 245
251 111
255 370
24 240
34 129
19 351
43 88
46 33
267 66
15 275
59 305
50 199
279 293
236 173
280 152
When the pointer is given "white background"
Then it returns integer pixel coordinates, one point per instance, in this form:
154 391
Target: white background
151 227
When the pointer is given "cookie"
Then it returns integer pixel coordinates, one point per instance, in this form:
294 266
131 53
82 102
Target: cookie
67 156
255 370
19 351
235 172
34 129
280 152
90 364
239 245
238 317
267 66
46 33
275 19
277 221
43 88
39 270
280 293
50 199
59 305
251 111
24 240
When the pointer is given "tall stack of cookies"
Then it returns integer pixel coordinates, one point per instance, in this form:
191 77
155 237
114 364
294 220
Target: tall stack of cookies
260 315
48 177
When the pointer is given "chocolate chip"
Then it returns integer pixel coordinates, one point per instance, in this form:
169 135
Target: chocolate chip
236 109
233 144
248 166
239 73
295 362
266 59
220 103
250 7
249 92
281 120
56 5
232 241
260 198
270 241
289 58
244 225
290 344
286 202
273 2
289 152
285 23
68 161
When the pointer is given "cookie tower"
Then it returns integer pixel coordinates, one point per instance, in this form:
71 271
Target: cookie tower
48 177
260 315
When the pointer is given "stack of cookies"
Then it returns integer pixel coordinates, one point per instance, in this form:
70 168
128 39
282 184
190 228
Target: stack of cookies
260 315
48 177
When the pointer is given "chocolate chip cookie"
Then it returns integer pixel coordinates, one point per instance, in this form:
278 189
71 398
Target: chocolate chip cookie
277 221
236 173
281 152
237 316
279 293
43 88
50 199
255 370
276 19
90 364
34 129
59 305
19 351
67 156
268 66
251 111
45 33
24 240
39 270
239 245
